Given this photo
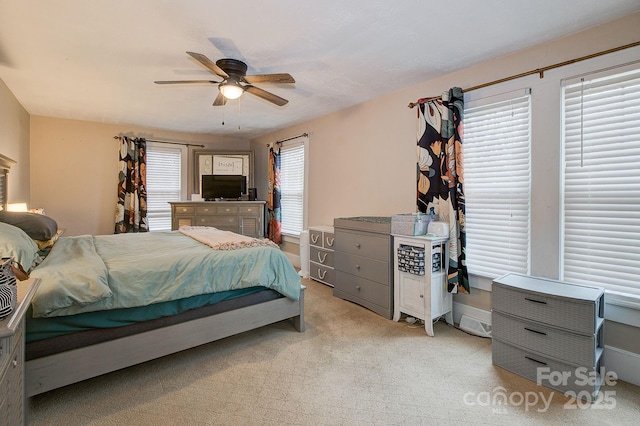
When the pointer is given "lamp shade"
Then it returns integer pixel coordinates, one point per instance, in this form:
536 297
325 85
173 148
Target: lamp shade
17 207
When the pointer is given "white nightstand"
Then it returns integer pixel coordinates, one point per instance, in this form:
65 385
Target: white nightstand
420 277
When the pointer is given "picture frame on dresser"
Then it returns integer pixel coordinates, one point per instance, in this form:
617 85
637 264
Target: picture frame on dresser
208 162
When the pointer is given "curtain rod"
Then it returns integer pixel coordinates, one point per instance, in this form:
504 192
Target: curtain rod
291 138
539 71
169 142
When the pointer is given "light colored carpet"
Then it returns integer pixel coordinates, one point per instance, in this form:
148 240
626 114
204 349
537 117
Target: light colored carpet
350 367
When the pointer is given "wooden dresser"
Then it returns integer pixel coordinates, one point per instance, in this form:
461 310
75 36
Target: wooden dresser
12 329
241 217
362 258
550 332
321 255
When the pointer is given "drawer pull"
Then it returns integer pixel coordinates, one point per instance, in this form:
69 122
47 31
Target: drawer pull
206 210
358 287
357 245
422 296
314 238
321 274
184 209
535 331
535 360
330 242
535 301
358 267
15 362
321 258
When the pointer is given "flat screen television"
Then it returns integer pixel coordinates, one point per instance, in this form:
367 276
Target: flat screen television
223 187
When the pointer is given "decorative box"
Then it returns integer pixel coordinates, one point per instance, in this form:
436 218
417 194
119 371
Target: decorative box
409 224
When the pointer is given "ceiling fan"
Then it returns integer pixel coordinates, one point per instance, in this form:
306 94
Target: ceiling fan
235 80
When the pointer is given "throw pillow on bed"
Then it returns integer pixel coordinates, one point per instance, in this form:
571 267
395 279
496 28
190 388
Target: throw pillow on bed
37 226
14 242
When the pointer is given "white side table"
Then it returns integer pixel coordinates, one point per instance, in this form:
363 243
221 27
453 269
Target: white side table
420 277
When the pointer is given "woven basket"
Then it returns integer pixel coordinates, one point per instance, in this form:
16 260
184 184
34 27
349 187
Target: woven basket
8 289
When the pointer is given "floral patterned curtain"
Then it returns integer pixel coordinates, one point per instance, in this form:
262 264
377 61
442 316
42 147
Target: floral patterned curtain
273 198
440 181
131 210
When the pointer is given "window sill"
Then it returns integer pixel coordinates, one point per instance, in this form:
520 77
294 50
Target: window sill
288 238
622 308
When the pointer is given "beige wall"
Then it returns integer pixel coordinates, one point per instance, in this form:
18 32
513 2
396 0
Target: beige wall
74 166
362 159
14 143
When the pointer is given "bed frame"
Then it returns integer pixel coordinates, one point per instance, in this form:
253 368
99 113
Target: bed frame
62 369
54 371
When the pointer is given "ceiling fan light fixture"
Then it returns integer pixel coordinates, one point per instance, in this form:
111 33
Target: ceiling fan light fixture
231 90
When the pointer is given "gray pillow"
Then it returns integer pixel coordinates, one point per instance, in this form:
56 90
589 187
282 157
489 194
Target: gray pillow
37 226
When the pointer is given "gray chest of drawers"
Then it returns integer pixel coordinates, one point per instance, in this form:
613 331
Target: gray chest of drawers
12 393
362 258
549 332
321 255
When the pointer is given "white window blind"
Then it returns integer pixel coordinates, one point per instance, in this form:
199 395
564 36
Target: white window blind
292 188
601 208
497 184
163 185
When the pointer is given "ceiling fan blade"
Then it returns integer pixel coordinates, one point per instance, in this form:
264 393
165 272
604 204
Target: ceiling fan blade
208 64
269 78
185 82
267 96
220 100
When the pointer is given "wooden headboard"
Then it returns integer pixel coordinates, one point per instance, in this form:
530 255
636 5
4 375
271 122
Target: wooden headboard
5 166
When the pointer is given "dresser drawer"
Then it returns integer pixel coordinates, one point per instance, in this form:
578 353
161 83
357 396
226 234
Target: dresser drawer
529 365
364 289
364 267
362 244
252 210
328 240
5 352
570 314
573 348
185 210
227 209
218 221
206 210
322 273
315 238
321 256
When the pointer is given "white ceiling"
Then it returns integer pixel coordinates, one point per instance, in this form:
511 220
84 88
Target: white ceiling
97 60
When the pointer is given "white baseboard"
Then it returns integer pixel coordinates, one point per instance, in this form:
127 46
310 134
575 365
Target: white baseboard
460 309
625 364
293 258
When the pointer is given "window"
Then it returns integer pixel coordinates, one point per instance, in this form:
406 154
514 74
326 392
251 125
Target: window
601 191
165 182
292 186
497 184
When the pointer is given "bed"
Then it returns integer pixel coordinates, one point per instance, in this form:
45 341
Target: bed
99 331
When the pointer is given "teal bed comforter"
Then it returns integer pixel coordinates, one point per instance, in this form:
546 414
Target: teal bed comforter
97 273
